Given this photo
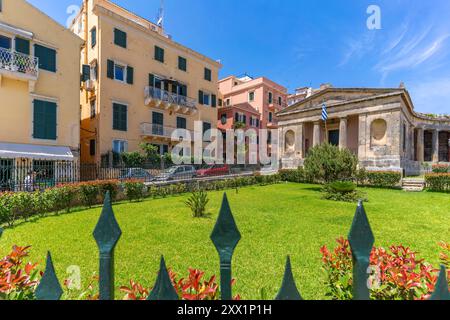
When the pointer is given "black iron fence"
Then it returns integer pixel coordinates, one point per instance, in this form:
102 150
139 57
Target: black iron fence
225 237
41 175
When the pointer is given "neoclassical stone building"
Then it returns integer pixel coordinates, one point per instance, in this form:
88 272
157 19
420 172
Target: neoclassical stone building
378 125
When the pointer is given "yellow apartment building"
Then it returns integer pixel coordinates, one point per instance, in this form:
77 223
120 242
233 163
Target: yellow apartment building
39 91
139 84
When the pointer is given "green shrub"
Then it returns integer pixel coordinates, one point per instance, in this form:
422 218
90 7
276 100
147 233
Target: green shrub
383 179
89 192
6 213
441 168
297 176
342 191
134 190
197 203
66 195
109 185
438 182
326 163
22 205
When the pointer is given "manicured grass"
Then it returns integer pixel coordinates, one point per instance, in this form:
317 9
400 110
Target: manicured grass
274 221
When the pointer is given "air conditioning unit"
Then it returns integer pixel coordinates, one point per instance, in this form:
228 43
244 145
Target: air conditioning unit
89 85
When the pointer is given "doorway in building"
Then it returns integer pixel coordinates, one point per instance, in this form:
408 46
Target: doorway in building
333 137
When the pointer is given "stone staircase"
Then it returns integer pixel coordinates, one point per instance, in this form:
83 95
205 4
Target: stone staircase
413 185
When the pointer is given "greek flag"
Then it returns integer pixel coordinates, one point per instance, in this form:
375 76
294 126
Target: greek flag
324 112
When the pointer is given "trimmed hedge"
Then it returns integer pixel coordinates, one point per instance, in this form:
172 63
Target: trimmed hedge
23 205
296 175
379 179
439 182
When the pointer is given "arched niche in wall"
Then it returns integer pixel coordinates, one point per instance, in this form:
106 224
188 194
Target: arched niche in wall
378 133
289 142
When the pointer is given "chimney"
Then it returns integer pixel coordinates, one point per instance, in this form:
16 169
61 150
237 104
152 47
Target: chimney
402 85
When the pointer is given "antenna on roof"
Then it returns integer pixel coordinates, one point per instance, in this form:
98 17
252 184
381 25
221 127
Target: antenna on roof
160 22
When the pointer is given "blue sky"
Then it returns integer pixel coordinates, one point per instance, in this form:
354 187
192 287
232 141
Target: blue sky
302 43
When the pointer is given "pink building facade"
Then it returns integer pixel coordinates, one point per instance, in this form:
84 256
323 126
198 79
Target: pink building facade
253 102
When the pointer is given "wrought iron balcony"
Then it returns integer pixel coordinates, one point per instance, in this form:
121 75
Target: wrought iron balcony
156 130
165 99
18 64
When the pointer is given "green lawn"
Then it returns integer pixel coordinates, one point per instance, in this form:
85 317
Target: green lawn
274 221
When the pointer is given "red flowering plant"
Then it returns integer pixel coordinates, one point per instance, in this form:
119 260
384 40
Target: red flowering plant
18 280
396 274
191 288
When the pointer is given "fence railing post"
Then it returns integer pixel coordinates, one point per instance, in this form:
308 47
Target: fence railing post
225 237
361 241
288 289
441 291
49 287
107 233
163 289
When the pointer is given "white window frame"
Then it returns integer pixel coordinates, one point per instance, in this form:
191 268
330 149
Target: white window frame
116 63
209 95
120 141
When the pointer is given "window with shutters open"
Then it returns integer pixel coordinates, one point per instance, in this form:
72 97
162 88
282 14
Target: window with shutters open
120 72
44 120
120 117
47 57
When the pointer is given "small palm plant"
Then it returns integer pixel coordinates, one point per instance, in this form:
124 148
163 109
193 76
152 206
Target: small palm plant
197 203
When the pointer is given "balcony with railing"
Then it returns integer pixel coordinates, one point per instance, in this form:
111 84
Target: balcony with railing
155 97
160 131
18 65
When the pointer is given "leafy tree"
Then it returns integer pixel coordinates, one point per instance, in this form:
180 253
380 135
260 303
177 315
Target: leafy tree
133 159
328 163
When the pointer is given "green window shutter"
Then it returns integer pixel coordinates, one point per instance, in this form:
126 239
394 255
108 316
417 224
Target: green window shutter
93 37
110 69
50 123
200 97
23 46
130 75
181 123
159 54
214 101
208 74
151 80
47 57
120 38
182 63
38 119
86 75
44 120
119 117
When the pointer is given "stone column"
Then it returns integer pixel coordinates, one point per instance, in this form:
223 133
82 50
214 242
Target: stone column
299 142
420 145
316 134
413 146
343 133
435 146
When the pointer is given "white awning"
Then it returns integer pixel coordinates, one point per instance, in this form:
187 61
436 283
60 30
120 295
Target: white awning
30 151
16 31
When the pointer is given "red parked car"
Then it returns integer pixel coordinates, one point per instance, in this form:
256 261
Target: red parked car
214 170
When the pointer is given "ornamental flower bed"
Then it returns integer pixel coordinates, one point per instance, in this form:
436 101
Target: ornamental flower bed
397 273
